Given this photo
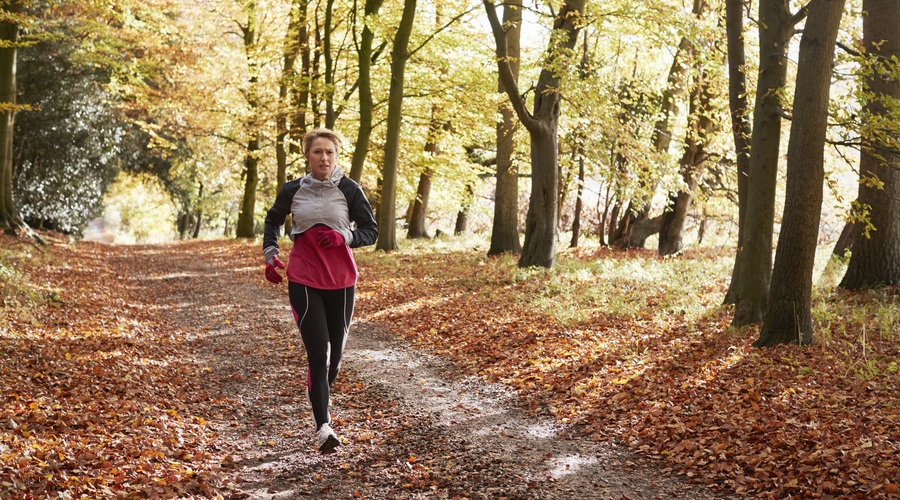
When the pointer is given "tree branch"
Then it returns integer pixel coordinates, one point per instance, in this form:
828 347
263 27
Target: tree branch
506 75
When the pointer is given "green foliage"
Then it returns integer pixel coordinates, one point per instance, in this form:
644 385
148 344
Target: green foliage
68 148
859 213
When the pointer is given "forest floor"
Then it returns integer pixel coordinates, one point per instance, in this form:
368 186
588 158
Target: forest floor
412 427
175 371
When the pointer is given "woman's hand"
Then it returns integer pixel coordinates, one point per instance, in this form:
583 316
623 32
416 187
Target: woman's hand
271 273
331 238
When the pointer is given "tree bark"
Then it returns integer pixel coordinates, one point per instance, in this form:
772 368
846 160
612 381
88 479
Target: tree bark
662 134
845 241
288 82
330 115
387 227
539 248
462 217
246 223
875 259
776 26
505 229
366 104
9 35
301 88
417 221
692 164
417 218
740 124
579 202
578 152
788 317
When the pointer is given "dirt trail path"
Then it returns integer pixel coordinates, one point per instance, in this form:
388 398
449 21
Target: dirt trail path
411 426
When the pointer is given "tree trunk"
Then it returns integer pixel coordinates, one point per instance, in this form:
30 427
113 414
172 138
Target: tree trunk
740 124
301 87
604 216
9 35
674 90
662 133
462 217
693 162
387 227
366 104
613 217
315 89
505 229
197 223
291 50
539 248
845 241
775 29
579 202
578 151
246 223
330 115
671 233
417 227
875 260
417 221
788 318
198 213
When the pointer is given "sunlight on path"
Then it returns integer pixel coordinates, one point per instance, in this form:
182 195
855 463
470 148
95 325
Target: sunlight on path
486 416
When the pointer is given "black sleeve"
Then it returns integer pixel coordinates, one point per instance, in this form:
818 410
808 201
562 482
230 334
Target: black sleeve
277 214
366 232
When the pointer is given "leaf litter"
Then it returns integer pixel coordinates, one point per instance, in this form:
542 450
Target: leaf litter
174 371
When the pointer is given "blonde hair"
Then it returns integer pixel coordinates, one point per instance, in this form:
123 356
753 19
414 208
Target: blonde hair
324 133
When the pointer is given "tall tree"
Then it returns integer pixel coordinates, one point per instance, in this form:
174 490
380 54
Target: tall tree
875 258
246 223
539 248
776 27
302 86
365 54
636 224
578 153
328 54
702 126
505 229
387 210
462 216
788 317
9 42
740 124
578 150
292 43
417 219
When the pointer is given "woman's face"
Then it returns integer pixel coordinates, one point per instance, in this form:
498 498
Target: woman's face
322 157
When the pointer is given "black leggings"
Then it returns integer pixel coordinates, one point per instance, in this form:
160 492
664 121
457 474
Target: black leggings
323 317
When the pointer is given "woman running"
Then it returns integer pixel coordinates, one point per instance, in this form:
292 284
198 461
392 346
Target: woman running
330 215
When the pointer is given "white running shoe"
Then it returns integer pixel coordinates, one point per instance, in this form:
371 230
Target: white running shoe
326 440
